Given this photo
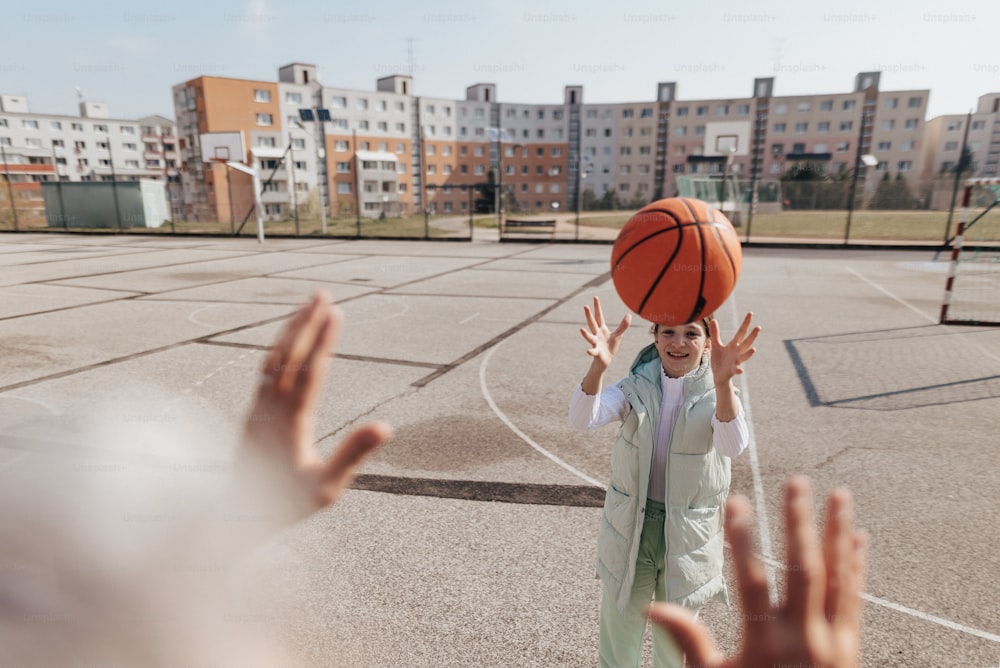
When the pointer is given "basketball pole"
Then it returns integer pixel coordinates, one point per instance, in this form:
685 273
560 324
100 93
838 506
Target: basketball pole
252 171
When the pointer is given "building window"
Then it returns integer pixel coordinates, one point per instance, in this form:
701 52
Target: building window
907 146
891 102
446 149
628 113
383 126
30 124
885 146
362 104
848 105
779 127
363 125
681 131
846 125
647 112
399 106
826 105
261 141
338 102
682 111
340 145
380 105
743 110
298 143
77 126
801 127
915 102
99 127
781 108
977 125
293 97
701 111
951 146
905 165
823 126
911 123
343 167
265 119
887 124
843 146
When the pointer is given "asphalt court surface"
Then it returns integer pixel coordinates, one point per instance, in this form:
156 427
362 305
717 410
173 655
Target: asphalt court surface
470 538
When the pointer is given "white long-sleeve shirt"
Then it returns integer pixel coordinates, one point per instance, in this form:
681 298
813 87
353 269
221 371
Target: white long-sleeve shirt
610 405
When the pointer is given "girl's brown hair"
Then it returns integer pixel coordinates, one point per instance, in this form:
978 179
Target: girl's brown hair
654 328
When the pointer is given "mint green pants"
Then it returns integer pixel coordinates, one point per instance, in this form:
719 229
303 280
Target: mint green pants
622 632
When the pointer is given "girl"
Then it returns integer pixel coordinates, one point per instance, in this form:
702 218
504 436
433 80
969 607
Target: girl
661 530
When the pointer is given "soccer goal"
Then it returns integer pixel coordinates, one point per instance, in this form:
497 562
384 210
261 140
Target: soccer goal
972 292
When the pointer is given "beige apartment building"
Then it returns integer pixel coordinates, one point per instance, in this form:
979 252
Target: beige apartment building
389 151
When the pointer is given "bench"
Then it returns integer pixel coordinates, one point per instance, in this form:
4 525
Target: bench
521 226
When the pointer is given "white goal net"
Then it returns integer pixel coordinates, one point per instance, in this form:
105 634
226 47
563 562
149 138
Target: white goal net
972 293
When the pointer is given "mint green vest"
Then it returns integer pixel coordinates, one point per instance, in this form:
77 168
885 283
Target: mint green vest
697 480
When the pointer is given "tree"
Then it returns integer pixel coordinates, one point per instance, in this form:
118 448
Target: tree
893 194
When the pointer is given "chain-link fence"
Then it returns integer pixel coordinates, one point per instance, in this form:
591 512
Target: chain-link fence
882 209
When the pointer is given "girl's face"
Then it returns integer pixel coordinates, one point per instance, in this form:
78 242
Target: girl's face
681 347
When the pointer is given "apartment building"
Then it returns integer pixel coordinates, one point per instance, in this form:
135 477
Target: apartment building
90 147
391 152
944 136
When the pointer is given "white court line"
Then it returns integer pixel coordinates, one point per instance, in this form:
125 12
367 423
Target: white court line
191 318
892 296
524 437
474 315
915 309
927 617
46 406
758 483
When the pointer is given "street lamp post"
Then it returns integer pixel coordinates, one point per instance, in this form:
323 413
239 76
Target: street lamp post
318 119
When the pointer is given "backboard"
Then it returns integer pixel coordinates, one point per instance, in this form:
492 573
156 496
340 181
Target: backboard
727 138
221 146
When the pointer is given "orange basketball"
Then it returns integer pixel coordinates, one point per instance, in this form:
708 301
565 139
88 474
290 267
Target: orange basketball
676 261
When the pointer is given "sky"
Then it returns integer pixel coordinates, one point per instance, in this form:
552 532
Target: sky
130 54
